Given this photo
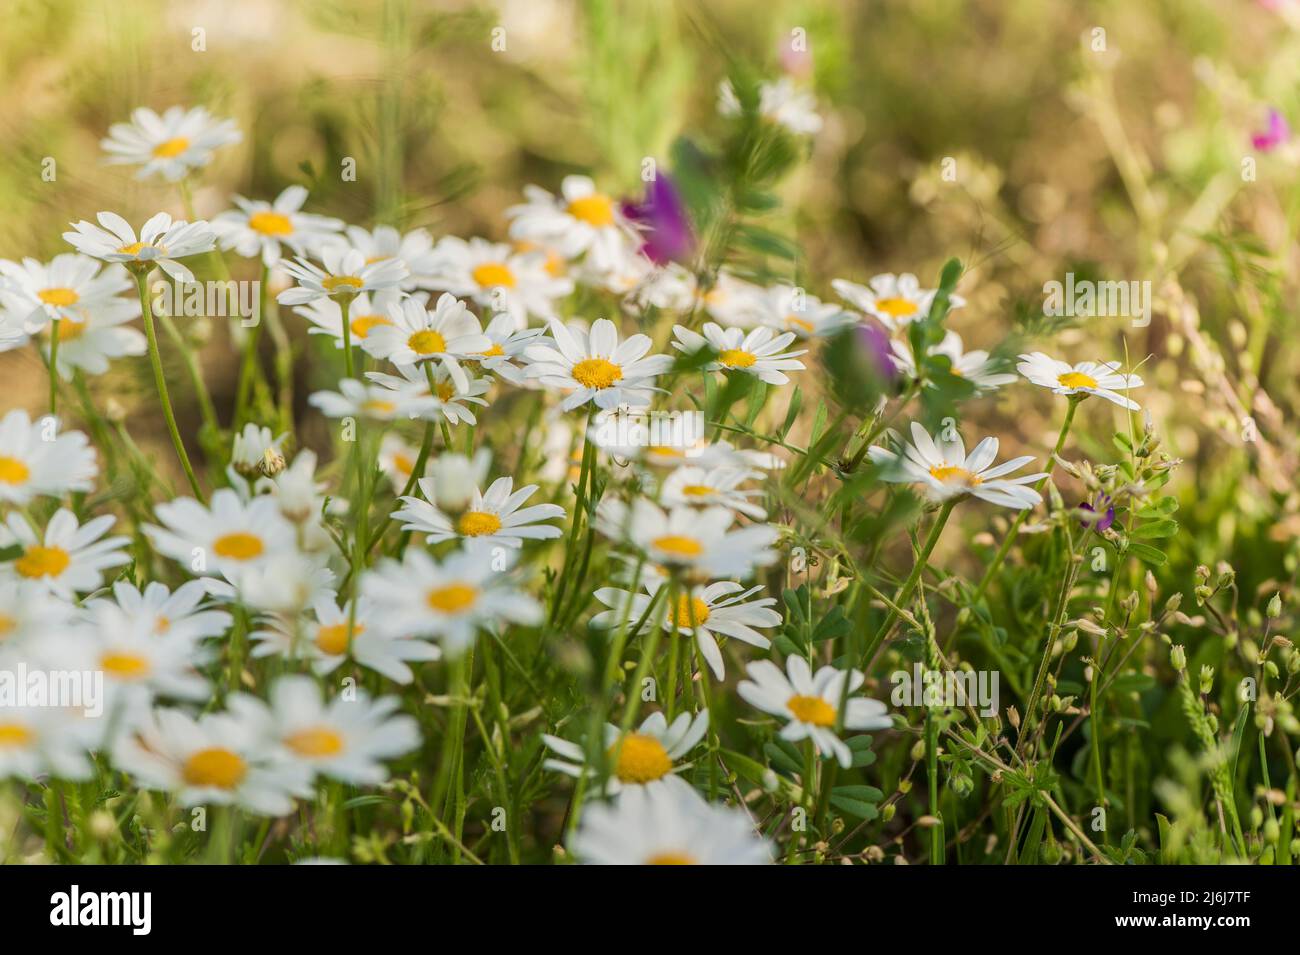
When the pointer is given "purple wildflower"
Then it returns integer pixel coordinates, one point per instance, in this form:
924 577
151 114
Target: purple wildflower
1277 133
1102 506
665 225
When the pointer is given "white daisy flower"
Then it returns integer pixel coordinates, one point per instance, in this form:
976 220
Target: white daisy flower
789 309
28 613
756 353
444 400
710 455
33 461
944 470
366 312
811 701
397 460
596 367
356 399
717 487
732 301
973 366
1102 379
256 451
137 665
452 600
415 250
12 333
699 540
69 558
343 272
579 220
256 228
713 610
162 241
508 347
40 740
647 754
780 102
343 739
893 300
67 288
667 825
288 582
454 480
494 517
170 145
496 277
89 342
229 537
216 759
176 616
448 335
323 640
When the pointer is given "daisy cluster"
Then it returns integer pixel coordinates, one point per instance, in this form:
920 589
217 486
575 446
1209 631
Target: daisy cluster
235 679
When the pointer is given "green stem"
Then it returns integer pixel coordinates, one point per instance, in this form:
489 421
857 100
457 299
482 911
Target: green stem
345 306
1020 518
909 586
160 381
54 368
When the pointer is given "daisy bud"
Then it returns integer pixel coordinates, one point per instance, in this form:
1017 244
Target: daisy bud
1013 717
1226 575
102 825
1202 573
770 781
963 786
1275 607
1272 831
904 787
272 462
1271 669
918 751
1071 641
1207 679
886 814
1173 603
1250 650
114 411
1178 657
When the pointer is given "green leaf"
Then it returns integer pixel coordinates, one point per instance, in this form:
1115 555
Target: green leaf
1155 529
858 801
1148 554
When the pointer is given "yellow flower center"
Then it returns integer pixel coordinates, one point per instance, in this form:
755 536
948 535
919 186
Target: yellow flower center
736 358
362 324
811 709
270 223
427 342
378 406
494 352
641 759
70 330
452 598
58 296
697 490
493 274
345 282
478 523
238 546
162 625
671 858
13 471
896 307
686 607
43 562
7 625
1077 379
316 741
594 210
678 545
216 767
403 463
124 666
171 148
951 475
15 735
135 248
445 391
333 638
596 373
796 322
